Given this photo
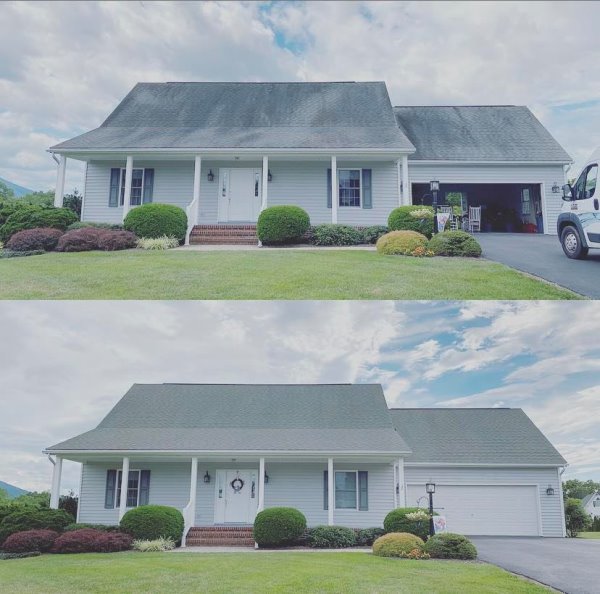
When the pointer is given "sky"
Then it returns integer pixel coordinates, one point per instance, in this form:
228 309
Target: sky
63 365
65 66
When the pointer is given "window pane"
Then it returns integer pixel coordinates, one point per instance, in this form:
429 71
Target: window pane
132 489
349 187
345 490
590 182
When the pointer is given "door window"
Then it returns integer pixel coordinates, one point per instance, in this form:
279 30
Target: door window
590 181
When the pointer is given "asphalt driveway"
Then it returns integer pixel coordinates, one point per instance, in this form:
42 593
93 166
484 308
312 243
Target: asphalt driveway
541 255
568 564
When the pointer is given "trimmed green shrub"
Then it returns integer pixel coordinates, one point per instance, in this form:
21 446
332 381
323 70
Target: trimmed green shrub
34 217
8 208
282 224
157 243
156 220
399 544
455 243
328 234
278 526
373 233
88 540
367 536
396 521
154 546
404 243
30 540
82 525
84 224
450 546
34 518
331 537
44 239
401 219
149 522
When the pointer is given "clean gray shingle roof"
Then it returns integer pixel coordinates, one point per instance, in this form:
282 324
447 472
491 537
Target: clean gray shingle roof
249 115
478 133
473 436
327 417
588 498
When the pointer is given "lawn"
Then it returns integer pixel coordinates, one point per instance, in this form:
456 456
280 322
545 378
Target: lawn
594 535
250 572
264 274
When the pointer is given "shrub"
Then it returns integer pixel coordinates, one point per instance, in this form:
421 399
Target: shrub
11 254
397 521
331 537
44 238
373 233
401 219
282 224
88 540
336 235
30 540
367 536
85 224
33 518
19 555
34 217
154 546
576 518
455 243
399 544
8 208
156 220
401 243
149 522
102 527
278 526
111 241
157 243
80 240
450 546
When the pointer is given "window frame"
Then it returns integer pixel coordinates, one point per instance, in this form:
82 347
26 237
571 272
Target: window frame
357 491
585 190
596 503
122 185
360 186
118 487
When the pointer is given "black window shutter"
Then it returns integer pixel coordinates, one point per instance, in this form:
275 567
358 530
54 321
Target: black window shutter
111 484
148 185
329 188
325 491
363 490
366 189
113 197
144 487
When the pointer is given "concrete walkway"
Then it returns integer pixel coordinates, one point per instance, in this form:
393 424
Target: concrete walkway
253 550
287 248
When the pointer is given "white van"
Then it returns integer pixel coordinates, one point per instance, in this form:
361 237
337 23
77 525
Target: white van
579 220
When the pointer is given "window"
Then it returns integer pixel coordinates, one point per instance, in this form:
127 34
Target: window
133 488
137 187
590 181
349 187
346 492
596 503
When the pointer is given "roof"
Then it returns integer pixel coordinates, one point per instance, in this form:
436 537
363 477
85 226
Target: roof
249 115
474 436
478 133
268 417
589 497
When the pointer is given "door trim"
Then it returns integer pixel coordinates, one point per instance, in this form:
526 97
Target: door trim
219 503
223 197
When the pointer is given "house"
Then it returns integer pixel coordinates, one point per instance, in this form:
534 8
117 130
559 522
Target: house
221 453
225 151
591 504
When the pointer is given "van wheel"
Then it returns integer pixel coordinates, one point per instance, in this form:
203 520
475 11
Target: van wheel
571 244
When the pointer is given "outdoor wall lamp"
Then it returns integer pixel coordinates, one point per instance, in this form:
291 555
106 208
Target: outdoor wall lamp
556 188
207 477
430 488
550 490
269 176
266 478
211 175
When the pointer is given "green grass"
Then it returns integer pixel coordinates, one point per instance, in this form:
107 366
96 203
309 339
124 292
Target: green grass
268 274
593 535
249 572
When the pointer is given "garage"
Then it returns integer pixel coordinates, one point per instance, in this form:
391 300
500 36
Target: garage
484 510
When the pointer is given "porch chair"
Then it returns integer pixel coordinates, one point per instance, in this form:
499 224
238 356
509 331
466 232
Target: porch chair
452 222
474 218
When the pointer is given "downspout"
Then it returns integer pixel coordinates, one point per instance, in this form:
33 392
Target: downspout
49 456
56 159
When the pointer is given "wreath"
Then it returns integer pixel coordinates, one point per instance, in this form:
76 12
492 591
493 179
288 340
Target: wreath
237 484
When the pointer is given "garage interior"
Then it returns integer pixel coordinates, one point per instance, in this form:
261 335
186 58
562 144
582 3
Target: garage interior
505 208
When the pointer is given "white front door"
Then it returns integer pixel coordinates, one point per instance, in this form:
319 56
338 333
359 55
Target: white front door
236 496
239 195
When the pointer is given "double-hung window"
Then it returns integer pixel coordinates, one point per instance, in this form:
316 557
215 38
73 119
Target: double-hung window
596 503
346 489
349 186
133 488
137 187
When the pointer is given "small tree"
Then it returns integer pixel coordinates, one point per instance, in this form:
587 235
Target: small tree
576 518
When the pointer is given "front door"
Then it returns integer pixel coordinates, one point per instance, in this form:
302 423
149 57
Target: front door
236 496
239 195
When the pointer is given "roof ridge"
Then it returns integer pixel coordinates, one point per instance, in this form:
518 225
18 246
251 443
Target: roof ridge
455 408
464 105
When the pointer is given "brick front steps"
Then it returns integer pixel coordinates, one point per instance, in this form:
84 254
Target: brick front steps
224 235
220 536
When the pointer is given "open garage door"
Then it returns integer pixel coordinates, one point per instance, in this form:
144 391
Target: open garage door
483 510
505 208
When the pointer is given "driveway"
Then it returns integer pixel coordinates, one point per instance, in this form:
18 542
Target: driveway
567 564
541 255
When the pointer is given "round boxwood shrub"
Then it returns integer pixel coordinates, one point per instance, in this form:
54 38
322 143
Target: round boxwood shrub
331 537
367 536
156 220
44 238
450 546
398 544
455 243
88 540
373 233
328 234
30 540
396 521
278 526
34 518
401 219
35 217
149 522
404 243
282 224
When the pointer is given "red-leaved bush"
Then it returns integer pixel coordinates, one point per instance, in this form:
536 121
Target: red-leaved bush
30 540
117 240
88 540
92 238
41 238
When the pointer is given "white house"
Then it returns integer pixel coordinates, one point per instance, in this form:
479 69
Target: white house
591 504
221 453
225 151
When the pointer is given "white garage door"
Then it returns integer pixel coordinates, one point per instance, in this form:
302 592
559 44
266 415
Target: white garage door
493 510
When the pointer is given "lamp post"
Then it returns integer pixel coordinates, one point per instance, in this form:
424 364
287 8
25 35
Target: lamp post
434 186
430 488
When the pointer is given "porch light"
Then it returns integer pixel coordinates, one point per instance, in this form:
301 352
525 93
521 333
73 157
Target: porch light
269 176
550 490
207 477
211 175
556 188
266 478
434 186
397 489
430 487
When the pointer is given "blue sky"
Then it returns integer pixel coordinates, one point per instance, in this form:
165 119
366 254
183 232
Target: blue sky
63 365
65 65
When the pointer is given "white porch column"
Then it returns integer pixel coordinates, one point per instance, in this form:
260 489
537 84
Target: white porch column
193 483
193 209
265 183
261 484
401 484
330 491
399 176
124 485
127 192
405 184
56 474
334 190
395 483
60 181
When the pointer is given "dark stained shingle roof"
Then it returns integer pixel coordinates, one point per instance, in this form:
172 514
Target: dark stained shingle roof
478 133
473 436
